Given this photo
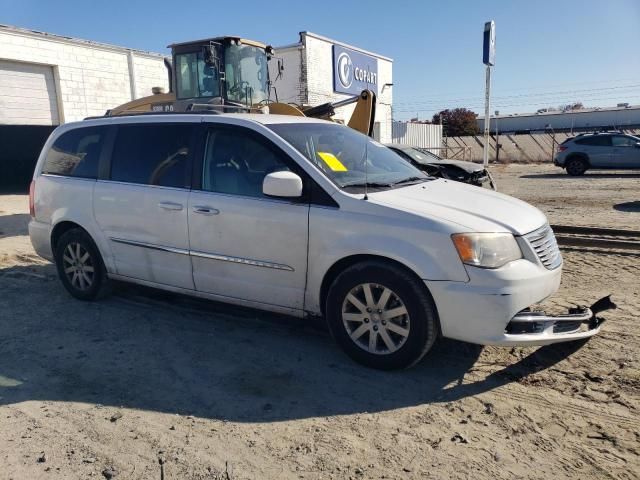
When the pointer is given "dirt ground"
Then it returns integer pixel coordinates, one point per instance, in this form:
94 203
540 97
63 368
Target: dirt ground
145 385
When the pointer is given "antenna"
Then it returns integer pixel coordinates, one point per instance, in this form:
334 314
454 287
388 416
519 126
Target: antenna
366 157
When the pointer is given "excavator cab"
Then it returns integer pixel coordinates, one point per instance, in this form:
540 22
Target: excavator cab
224 71
231 75
226 74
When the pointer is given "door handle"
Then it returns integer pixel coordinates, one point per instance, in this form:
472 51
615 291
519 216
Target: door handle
170 206
205 210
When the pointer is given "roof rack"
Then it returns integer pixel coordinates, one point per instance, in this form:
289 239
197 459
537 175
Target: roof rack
600 132
192 108
142 114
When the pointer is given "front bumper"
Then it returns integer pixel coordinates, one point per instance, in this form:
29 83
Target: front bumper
481 177
492 307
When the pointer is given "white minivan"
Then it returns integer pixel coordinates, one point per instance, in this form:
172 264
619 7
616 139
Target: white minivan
299 216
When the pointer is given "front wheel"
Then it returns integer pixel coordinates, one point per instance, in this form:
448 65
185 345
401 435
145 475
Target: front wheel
576 166
381 316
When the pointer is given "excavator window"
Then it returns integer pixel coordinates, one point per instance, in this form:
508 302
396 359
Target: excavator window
195 78
246 74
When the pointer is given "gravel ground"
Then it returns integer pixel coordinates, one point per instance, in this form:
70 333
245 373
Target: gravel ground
597 199
144 383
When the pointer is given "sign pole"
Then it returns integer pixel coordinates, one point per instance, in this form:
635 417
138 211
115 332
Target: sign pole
487 117
489 59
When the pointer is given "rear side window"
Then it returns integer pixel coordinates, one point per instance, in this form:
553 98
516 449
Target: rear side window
157 154
76 153
595 141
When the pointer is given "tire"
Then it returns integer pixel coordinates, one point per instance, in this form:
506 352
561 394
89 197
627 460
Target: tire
576 166
80 266
400 339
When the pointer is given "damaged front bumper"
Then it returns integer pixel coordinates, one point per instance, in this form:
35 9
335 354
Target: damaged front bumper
580 322
482 310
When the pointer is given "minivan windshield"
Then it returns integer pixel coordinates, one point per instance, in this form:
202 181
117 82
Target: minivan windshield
348 158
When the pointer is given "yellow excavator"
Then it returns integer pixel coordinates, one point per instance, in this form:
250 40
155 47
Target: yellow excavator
230 74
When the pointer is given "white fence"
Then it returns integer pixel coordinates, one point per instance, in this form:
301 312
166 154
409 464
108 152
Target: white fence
417 134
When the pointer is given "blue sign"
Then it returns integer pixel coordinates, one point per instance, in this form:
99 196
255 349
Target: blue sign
489 44
354 71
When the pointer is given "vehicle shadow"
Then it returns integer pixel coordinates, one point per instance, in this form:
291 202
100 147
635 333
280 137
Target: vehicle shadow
149 350
586 176
633 206
14 225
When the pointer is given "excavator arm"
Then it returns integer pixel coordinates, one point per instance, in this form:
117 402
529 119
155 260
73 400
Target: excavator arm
361 120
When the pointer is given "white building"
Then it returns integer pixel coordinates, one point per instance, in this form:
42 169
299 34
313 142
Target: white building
46 80
49 79
318 70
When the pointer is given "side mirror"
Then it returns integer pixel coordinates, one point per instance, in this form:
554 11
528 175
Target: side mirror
282 184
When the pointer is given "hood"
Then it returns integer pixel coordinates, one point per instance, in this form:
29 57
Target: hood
476 209
468 167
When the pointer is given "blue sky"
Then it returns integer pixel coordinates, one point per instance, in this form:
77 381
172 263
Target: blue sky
548 52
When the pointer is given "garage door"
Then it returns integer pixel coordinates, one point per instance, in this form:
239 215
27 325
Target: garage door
27 94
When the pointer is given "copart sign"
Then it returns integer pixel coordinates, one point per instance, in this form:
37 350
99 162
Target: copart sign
353 71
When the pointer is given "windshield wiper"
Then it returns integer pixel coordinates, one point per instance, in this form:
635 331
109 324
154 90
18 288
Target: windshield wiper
367 184
408 180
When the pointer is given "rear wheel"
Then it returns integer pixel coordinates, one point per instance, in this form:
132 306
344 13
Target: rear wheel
381 316
576 166
80 265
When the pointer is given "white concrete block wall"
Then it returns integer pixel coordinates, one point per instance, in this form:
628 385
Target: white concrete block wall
90 78
291 85
149 73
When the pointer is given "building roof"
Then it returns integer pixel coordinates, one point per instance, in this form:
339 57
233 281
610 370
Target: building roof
560 112
52 37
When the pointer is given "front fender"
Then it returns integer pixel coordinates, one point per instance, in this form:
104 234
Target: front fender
429 254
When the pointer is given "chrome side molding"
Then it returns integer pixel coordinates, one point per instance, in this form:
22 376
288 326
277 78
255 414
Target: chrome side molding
210 256
244 261
150 246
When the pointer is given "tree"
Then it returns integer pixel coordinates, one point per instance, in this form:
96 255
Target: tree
572 106
457 122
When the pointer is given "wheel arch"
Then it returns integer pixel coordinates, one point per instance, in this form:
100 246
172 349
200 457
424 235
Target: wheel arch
60 229
580 156
341 265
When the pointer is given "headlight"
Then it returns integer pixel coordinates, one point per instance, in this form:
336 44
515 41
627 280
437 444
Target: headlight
486 250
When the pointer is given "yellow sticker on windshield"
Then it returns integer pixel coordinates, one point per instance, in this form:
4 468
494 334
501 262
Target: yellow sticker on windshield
332 162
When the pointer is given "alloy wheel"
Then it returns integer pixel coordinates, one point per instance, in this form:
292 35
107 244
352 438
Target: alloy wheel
78 266
375 318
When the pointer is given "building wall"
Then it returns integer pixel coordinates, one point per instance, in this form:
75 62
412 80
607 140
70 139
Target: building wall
319 65
291 84
150 72
308 79
418 135
90 78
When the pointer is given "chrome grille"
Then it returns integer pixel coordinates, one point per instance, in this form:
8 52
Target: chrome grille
543 242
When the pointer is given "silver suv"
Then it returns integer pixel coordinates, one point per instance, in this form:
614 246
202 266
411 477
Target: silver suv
598 150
